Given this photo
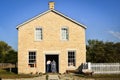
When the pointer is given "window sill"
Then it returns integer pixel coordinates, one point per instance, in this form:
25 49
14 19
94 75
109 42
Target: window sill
71 67
32 67
38 40
64 40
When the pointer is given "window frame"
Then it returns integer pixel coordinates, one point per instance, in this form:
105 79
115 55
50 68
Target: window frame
32 64
74 62
67 34
40 34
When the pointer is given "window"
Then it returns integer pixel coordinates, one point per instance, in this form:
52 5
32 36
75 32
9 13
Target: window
38 34
71 58
64 33
32 59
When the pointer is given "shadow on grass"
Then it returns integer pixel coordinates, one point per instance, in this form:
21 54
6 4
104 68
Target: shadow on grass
13 70
5 73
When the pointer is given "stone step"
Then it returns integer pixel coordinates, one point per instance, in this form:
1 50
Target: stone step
53 77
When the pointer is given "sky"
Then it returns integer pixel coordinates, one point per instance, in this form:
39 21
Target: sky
101 17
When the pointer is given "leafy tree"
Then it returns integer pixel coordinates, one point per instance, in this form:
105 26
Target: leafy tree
103 52
95 51
7 54
11 57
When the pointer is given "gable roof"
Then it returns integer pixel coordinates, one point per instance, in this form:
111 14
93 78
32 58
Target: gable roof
54 12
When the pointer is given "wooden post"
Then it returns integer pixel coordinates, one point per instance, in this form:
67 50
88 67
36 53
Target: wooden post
89 65
10 70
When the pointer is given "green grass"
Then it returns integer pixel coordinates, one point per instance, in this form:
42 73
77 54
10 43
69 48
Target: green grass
101 76
11 75
7 74
47 77
106 76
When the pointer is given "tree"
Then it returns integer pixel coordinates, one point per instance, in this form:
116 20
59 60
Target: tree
7 54
95 53
11 57
103 52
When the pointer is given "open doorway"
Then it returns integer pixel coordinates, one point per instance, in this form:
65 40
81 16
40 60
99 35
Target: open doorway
52 57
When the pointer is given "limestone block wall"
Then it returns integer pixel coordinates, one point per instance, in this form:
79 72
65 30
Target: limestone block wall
51 24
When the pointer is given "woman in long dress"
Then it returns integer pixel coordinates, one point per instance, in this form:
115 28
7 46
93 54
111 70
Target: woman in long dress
53 66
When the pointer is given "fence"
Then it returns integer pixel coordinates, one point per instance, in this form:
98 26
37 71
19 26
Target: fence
7 65
103 68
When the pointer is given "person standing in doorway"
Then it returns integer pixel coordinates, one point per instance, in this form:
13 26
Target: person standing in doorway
48 65
53 66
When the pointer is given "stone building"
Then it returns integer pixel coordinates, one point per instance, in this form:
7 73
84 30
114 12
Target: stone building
50 36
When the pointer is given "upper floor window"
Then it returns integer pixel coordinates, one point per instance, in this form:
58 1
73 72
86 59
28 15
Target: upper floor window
32 59
38 34
64 33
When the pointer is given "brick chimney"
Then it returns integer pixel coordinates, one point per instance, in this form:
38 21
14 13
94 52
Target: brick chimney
51 5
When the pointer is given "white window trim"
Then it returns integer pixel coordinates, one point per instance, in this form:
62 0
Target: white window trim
61 34
35 34
75 59
32 50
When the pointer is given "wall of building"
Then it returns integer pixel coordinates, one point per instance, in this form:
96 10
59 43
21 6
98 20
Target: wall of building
51 24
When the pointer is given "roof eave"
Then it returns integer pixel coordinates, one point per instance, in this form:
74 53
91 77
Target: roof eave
32 19
55 12
70 19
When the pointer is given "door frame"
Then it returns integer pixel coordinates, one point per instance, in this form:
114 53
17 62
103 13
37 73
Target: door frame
51 53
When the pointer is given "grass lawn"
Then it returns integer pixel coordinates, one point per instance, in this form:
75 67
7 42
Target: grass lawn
101 76
106 76
7 74
11 75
